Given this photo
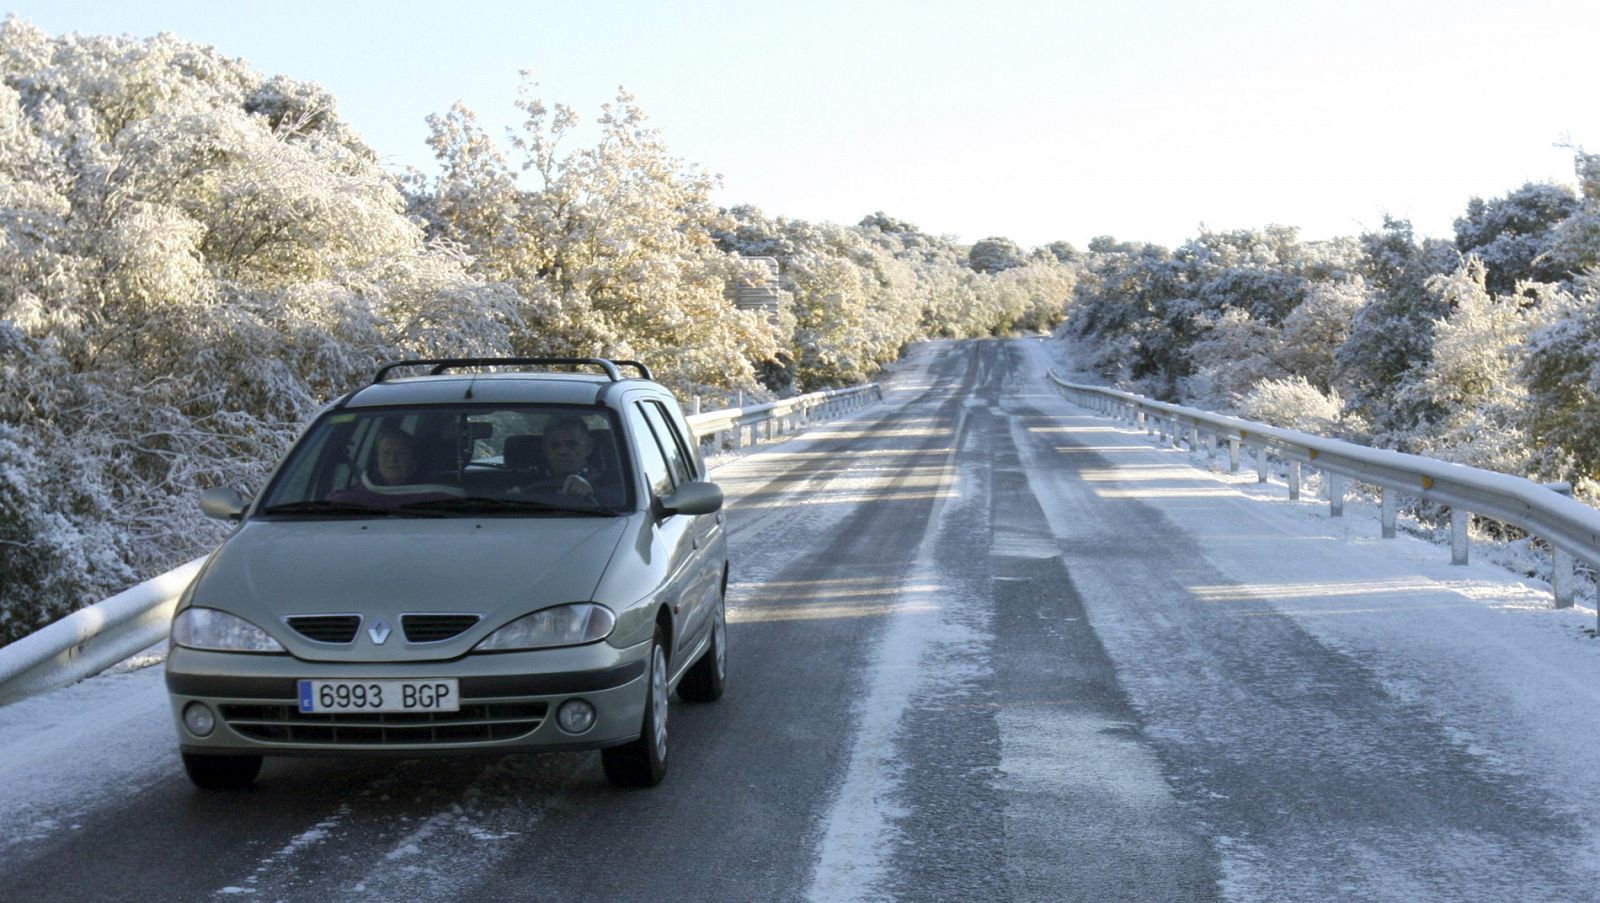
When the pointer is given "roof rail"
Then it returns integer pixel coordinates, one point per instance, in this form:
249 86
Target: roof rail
644 372
439 365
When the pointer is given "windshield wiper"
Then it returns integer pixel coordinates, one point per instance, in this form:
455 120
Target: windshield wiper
482 504
323 506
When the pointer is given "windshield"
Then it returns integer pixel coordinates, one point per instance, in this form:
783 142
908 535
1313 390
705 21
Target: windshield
454 461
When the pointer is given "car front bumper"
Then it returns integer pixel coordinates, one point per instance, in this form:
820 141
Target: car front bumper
508 703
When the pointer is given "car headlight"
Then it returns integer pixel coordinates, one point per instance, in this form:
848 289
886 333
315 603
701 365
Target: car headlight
207 628
562 625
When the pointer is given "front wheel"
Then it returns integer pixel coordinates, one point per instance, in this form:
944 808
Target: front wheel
643 762
221 772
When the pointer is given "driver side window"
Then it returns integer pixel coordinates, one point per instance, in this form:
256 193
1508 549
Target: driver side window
651 461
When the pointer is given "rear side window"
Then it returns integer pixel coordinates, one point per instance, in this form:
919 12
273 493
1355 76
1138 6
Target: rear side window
652 463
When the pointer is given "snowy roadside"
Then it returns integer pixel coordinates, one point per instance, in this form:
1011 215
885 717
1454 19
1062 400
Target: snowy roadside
1523 557
1514 682
66 752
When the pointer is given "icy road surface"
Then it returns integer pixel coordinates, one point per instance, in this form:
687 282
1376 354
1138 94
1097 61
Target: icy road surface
983 646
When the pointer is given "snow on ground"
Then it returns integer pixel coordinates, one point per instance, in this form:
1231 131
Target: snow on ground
64 753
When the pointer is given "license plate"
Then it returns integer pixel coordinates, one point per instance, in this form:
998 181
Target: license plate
437 695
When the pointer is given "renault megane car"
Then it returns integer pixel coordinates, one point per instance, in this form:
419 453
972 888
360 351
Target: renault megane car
487 555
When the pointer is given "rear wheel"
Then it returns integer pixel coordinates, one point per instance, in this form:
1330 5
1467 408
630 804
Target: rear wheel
708 677
221 772
643 762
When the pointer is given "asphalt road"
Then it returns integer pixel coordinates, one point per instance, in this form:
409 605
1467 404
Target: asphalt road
921 706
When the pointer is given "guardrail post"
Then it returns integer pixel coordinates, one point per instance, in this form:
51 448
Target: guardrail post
1211 449
1335 494
1561 561
1161 431
1194 437
1261 464
1386 507
1233 454
1561 576
1141 421
1294 480
1458 536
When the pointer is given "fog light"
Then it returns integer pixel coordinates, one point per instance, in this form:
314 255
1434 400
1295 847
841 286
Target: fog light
575 716
198 719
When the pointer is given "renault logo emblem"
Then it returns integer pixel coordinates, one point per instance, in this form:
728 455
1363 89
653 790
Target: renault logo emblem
379 631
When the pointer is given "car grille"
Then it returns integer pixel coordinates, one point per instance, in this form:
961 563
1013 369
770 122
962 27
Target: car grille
326 628
475 722
433 628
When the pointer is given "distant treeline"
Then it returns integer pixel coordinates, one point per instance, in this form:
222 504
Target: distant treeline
1484 350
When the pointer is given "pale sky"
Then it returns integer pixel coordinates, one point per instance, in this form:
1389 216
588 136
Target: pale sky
1034 120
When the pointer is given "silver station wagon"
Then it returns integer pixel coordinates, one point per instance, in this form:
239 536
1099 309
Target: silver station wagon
485 555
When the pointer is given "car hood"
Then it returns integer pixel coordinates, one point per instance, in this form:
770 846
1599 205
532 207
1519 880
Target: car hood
500 568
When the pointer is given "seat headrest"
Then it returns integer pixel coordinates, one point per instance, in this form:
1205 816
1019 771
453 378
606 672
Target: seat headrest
522 452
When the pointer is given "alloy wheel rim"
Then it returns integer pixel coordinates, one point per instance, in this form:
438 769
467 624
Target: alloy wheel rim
658 701
722 643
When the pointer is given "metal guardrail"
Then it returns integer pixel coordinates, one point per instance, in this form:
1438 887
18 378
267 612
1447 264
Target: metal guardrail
93 639
736 427
1571 528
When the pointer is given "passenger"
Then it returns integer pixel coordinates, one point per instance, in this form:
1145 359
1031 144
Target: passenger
566 450
392 481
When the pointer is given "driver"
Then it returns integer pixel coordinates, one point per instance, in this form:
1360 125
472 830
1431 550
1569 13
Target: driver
566 450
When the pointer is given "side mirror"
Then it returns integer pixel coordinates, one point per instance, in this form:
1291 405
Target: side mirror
223 503
695 497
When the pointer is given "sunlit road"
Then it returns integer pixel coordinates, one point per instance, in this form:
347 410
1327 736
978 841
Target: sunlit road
976 654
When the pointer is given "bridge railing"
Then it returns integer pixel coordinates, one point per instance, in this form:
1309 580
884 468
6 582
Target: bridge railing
1571 528
92 639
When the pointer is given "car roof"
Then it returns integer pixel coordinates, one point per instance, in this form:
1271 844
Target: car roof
451 382
485 388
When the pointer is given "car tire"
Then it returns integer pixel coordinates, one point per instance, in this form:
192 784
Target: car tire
643 762
221 772
708 677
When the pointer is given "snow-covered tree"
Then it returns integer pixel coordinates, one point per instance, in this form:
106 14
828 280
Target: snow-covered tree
994 254
1474 405
609 246
1294 403
195 258
1561 368
1576 245
1393 331
1514 235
